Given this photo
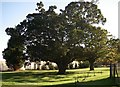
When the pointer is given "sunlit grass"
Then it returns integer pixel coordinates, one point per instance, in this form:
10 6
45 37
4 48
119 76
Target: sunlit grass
50 77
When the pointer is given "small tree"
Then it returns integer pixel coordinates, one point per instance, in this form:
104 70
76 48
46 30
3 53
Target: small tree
14 53
95 44
113 52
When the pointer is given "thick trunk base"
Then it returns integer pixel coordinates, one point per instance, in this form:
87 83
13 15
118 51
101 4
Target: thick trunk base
61 73
16 68
61 69
91 66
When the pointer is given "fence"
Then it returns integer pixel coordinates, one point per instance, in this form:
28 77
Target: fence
115 72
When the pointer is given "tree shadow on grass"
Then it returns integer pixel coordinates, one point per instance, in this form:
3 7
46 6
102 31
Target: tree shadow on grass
108 82
49 77
34 77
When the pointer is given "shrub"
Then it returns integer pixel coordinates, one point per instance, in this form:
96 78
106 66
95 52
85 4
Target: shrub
43 67
70 66
51 67
84 64
56 67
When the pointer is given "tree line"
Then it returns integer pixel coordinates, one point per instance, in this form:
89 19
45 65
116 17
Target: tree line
61 37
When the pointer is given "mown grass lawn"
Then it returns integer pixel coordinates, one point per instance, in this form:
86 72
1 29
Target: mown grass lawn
74 77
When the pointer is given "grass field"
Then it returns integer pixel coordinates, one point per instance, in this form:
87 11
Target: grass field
74 77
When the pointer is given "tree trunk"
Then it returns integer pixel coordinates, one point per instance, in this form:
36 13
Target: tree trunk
16 68
91 65
62 68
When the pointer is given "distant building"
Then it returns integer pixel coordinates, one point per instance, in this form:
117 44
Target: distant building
37 65
3 65
73 65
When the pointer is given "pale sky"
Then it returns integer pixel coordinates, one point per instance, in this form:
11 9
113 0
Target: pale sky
15 11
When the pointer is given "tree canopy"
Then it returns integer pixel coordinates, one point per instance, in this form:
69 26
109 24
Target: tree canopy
59 37
14 53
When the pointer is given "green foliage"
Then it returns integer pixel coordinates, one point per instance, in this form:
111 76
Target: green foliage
14 53
113 53
84 64
51 67
95 43
60 37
